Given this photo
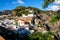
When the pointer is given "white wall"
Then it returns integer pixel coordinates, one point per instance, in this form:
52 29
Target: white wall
20 23
23 15
30 15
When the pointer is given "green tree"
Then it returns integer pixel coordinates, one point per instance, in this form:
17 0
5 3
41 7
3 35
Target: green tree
55 18
19 8
48 36
47 2
59 27
40 36
36 36
18 13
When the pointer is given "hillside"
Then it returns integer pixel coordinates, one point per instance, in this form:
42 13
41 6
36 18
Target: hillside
43 21
51 18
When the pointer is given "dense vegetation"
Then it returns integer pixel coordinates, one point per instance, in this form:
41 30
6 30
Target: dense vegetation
40 36
47 2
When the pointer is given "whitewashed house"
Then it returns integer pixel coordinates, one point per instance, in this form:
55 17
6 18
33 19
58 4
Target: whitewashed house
30 15
20 23
12 27
23 15
31 11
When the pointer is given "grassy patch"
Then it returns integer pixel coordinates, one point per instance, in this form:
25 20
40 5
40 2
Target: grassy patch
59 27
53 20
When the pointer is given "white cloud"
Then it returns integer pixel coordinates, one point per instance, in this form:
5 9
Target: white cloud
19 1
55 8
57 2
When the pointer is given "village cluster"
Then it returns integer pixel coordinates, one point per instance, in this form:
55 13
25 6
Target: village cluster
15 22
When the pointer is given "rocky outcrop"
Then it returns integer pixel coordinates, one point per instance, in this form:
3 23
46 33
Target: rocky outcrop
45 19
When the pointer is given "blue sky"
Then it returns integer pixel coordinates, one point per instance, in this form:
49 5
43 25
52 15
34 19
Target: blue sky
11 4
